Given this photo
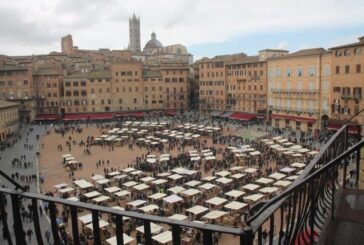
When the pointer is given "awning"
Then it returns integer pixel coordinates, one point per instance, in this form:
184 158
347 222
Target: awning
216 113
47 117
294 118
137 114
170 112
243 116
227 114
87 116
353 129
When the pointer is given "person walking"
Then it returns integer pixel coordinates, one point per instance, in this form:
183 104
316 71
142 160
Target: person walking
29 234
48 236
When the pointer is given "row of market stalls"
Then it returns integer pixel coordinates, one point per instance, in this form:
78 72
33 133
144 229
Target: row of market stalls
206 201
99 116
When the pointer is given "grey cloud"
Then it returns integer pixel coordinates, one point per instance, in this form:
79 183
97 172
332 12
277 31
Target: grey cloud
14 28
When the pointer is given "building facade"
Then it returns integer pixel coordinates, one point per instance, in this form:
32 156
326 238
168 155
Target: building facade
246 85
9 119
16 84
299 89
347 82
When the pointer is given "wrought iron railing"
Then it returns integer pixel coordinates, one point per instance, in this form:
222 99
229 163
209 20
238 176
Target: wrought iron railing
303 207
176 226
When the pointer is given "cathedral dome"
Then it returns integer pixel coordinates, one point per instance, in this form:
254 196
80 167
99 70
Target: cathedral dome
153 43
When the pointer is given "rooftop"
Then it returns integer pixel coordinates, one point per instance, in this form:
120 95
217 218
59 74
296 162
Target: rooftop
6 104
92 74
303 52
13 68
360 43
245 60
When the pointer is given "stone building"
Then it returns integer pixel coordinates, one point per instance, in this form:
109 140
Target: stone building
347 75
9 119
299 89
16 84
134 34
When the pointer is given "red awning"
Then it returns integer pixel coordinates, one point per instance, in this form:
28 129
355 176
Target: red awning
137 114
242 116
47 117
170 112
353 129
294 118
87 116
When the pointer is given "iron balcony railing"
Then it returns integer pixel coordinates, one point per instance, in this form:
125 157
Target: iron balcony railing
304 206
296 91
176 226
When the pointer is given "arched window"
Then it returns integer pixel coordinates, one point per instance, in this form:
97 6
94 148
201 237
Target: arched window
357 51
347 52
338 53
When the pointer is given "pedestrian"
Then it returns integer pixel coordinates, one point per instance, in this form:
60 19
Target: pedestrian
30 233
48 236
40 210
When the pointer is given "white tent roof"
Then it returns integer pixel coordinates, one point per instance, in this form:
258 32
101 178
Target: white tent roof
147 179
216 201
64 190
141 187
176 189
172 198
102 224
197 209
264 181
193 183
268 190
235 205
178 217
207 186
159 181
97 177
209 178
210 158
163 174
292 177
112 240
127 170
75 199
86 218
154 229
101 199
149 208
254 197
122 193
223 173
224 180
277 176
214 214
190 192
157 196
250 187
92 194
235 193
136 203
130 183
298 165
283 183
112 189
175 176
250 170
111 174
164 237
237 176
83 184
287 170
236 168
60 186
102 181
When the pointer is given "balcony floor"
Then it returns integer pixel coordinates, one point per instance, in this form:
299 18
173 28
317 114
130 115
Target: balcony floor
348 225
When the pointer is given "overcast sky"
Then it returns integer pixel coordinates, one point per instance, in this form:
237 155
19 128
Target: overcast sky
206 27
